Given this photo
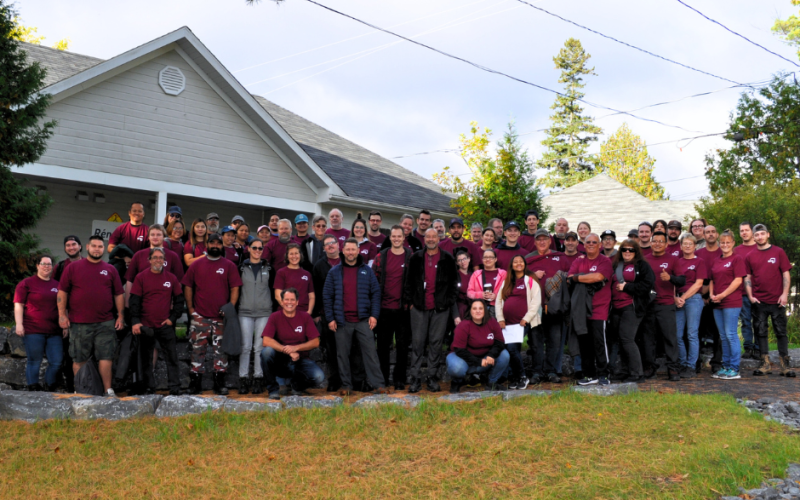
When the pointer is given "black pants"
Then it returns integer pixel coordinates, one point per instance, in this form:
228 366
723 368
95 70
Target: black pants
515 360
622 327
328 339
760 313
709 330
427 328
165 336
659 320
546 344
66 367
594 351
393 327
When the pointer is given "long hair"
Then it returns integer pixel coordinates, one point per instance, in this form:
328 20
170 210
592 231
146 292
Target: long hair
361 221
637 252
511 277
485 312
292 246
193 237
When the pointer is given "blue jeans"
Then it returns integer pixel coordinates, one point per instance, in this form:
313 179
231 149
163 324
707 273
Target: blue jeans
36 346
457 368
304 373
747 323
688 319
727 321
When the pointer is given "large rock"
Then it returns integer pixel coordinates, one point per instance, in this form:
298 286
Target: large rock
408 401
34 406
290 402
793 472
607 390
246 405
469 396
12 371
16 345
113 408
175 406
4 332
508 395
5 387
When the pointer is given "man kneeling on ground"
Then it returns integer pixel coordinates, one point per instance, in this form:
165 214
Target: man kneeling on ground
289 336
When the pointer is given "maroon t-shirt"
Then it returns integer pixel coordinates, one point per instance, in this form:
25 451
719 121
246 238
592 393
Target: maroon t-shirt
211 282
475 253
709 257
135 237
141 262
601 300
723 272
573 258
416 234
463 300
665 290
515 307
766 268
476 339
156 291
298 239
550 263
296 278
675 250
231 254
341 235
291 331
528 241
646 251
504 256
40 299
693 269
377 240
197 251
393 280
368 251
350 293
744 250
431 264
91 288
275 253
176 246
334 262
622 299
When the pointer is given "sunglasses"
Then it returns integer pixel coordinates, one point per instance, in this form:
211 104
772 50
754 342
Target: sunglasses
258 249
627 250
591 243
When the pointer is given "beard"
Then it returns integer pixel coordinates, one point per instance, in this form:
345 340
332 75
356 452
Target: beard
73 255
157 268
214 252
96 256
561 236
213 228
285 238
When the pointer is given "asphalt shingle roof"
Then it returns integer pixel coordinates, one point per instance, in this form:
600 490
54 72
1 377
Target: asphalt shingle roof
359 172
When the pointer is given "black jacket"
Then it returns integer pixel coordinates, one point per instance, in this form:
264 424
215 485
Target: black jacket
379 268
446 285
309 259
414 243
580 309
319 273
640 288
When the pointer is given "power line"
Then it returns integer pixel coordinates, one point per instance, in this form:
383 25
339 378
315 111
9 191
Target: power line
493 71
735 33
627 44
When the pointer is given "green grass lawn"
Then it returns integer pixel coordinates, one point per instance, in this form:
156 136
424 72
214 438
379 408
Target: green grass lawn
644 445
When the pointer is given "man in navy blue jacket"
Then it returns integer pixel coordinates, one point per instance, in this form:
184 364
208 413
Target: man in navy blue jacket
352 297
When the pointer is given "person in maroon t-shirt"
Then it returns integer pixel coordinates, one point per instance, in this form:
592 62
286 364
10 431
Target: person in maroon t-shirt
660 316
133 233
335 217
572 247
36 318
725 293
288 337
141 259
746 315
229 250
594 268
767 285
689 304
91 289
509 248
710 253
390 269
366 248
175 240
301 227
457 240
375 235
527 239
673 238
211 284
294 276
557 241
195 247
645 233
156 300
423 223
275 251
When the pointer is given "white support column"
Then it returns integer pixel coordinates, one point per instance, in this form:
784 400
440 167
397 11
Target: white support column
161 207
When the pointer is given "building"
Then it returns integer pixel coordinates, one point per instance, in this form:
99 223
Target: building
167 124
606 203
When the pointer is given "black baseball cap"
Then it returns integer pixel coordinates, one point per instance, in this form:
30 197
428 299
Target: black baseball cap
676 224
511 224
74 238
608 232
633 233
214 237
571 234
456 220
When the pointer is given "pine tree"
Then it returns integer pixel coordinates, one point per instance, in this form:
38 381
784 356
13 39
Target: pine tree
23 139
572 132
624 157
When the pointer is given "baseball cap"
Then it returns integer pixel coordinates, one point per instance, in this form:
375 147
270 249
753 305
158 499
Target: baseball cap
74 238
511 224
675 224
262 227
212 215
608 232
571 234
214 237
456 220
175 209
227 229
300 218
633 233
237 217
541 232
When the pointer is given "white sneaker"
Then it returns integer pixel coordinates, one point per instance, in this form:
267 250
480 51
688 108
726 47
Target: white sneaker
110 393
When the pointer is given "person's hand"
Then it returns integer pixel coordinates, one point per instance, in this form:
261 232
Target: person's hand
295 356
489 361
783 300
289 349
137 329
715 298
332 326
65 333
502 324
754 300
457 321
120 323
483 363
221 313
166 322
679 302
63 321
317 319
621 286
705 302
20 330
237 244
372 322
664 275
523 323
127 261
539 274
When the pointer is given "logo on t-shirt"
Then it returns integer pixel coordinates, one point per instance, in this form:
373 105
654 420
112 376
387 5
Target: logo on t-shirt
521 287
168 284
104 272
664 265
458 285
556 259
629 270
593 269
676 253
140 238
54 290
342 238
728 264
690 268
299 329
490 336
365 251
220 271
773 260
304 278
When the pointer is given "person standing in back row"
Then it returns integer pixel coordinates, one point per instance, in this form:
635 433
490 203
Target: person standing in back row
335 217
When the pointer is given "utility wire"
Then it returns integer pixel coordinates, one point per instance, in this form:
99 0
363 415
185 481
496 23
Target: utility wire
735 33
496 72
627 44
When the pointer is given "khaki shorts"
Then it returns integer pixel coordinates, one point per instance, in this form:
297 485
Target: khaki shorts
86 339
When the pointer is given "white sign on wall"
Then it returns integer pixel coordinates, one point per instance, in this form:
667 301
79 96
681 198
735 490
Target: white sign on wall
104 228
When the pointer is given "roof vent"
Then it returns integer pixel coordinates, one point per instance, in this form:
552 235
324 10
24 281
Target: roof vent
171 80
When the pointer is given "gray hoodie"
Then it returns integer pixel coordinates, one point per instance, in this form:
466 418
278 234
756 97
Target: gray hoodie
255 297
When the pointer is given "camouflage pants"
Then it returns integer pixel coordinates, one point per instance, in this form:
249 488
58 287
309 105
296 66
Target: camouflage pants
200 331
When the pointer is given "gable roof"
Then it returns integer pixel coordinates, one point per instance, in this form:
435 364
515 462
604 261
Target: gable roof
606 203
323 156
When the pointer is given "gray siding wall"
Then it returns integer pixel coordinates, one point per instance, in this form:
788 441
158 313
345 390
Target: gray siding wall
127 125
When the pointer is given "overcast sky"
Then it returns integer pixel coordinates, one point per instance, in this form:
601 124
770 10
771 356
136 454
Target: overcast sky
400 99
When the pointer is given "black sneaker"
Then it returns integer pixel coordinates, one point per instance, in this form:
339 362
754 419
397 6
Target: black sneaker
495 387
587 381
455 386
536 379
618 376
474 380
512 386
634 380
522 383
399 386
688 372
274 395
433 385
244 385
553 378
415 386
603 381
674 376
650 373
333 386
258 386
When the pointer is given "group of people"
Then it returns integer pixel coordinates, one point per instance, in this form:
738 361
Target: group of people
358 293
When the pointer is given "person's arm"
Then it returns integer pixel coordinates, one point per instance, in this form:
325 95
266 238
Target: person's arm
135 304
588 278
119 301
498 307
305 346
19 310
61 301
731 288
787 282
693 290
374 300
270 342
475 287
189 258
748 288
278 297
496 349
534 304
312 299
234 295
178 305
188 292
128 286
328 296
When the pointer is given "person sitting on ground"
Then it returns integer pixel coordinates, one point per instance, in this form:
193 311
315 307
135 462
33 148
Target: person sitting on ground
288 337
478 347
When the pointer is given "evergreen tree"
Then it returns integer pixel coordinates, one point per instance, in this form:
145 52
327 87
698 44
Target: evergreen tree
23 137
572 132
624 157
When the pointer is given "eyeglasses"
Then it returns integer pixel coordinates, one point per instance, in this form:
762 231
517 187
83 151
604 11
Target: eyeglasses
698 226
627 250
591 243
177 216
461 261
331 244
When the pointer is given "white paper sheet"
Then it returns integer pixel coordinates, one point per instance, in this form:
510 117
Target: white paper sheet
513 334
